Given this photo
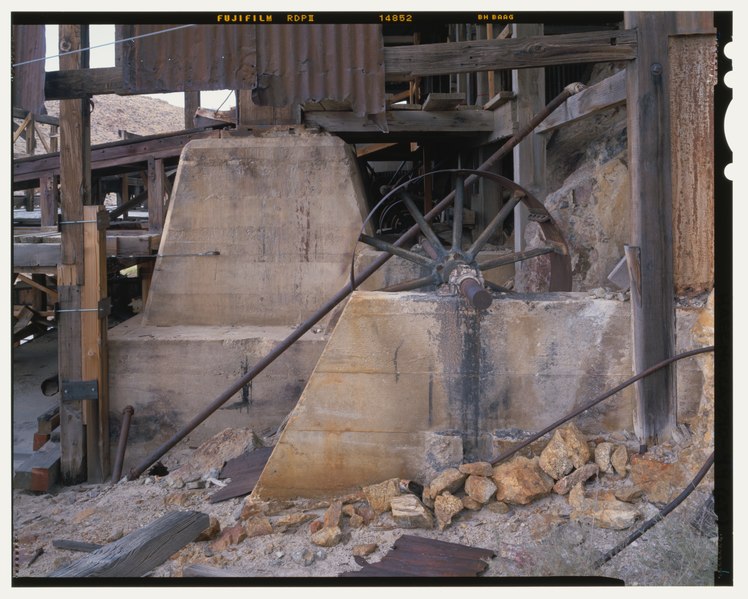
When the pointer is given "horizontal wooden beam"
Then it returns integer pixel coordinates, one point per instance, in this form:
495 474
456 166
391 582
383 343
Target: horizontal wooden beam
78 83
608 92
406 62
19 113
113 154
411 122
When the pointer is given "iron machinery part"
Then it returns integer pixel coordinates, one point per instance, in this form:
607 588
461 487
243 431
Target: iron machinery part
122 445
345 291
458 269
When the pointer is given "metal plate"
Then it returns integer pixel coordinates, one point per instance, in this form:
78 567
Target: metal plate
80 390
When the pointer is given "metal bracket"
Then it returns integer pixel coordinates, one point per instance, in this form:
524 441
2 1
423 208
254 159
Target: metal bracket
80 390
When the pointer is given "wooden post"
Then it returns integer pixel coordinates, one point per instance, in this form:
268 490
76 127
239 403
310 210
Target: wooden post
650 257
94 343
249 114
50 198
529 155
155 194
191 104
124 195
30 150
75 183
693 75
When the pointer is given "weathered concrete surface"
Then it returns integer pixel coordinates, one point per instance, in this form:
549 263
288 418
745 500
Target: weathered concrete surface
168 374
284 212
399 366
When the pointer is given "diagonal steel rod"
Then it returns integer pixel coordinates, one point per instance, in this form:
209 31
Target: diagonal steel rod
385 246
321 312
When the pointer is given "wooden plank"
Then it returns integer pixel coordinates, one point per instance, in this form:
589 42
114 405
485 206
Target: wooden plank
19 113
244 472
141 551
94 347
648 92
693 75
48 421
372 148
49 200
529 155
75 191
405 62
608 92
22 127
205 571
66 85
438 101
155 194
28 257
131 152
499 100
413 122
191 105
50 292
252 115
75 545
40 470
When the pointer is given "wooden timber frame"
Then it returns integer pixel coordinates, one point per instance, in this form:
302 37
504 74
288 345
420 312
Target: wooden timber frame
644 86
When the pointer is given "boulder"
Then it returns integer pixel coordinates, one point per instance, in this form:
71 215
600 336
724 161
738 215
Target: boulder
446 506
480 488
566 450
661 482
450 480
603 452
521 481
619 459
471 504
327 537
229 536
478 468
567 483
364 549
333 514
379 495
212 532
409 512
602 513
629 493
292 520
258 526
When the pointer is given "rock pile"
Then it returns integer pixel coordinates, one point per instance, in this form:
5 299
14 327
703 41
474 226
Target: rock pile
604 487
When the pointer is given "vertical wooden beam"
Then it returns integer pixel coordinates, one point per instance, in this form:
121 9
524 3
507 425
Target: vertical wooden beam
191 104
50 198
30 150
94 344
75 184
529 155
249 114
155 194
650 257
124 195
693 75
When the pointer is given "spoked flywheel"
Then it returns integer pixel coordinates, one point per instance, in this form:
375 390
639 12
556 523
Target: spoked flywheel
460 268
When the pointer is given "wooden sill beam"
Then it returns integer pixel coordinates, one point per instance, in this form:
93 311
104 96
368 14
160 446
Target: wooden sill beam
608 92
71 84
405 62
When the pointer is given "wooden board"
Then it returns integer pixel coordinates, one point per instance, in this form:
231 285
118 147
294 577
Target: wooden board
244 472
498 100
40 471
608 92
142 550
405 62
438 101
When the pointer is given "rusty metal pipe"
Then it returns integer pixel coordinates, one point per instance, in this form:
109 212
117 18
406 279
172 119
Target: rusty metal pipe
119 458
599 398
340 295
475 293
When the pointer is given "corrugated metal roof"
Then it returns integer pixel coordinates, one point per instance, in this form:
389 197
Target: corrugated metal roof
28 79
283 64
311 63
203 57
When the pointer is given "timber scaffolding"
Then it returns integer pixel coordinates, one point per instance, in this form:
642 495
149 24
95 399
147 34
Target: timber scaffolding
447 97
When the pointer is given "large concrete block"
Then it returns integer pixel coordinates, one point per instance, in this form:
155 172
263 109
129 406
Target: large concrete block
400 367
169 374
284 212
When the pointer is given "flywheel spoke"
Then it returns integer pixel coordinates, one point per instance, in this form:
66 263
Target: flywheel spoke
491 228
426 229
512 258
384 246
459 204
411 284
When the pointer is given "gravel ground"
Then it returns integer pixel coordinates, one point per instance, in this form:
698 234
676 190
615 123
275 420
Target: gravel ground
539 539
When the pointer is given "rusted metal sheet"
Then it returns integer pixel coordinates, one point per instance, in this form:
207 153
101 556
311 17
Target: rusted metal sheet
295 63
244 472
419 557
202 57
28 79
311 63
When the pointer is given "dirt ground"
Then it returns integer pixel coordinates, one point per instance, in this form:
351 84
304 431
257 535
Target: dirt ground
539 539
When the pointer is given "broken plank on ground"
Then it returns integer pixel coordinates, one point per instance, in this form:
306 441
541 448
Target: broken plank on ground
39 471
244 472
142 550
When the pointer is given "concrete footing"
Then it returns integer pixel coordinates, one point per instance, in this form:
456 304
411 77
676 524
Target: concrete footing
402 367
